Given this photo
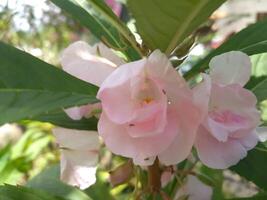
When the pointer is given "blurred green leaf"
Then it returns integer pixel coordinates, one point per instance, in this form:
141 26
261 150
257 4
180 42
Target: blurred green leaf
252 40
48 181
96 16
101 189
259 65
9 192
253 167
259 87
165 24
16 160
257 197
213 178
30 87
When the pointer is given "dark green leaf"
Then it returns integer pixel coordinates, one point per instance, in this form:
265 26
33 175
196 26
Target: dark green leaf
257 197
105 26
253 167
30 87
59 118
9 192
259 87
165 24
252 40
48 181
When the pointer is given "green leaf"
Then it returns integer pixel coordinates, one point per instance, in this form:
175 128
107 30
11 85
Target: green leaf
60 118
259 87
251 40
30 87
253 167
259 63
48 181
96 16
262 196
258 81
165 24
9 192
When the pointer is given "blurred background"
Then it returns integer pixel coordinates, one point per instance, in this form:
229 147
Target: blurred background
43 30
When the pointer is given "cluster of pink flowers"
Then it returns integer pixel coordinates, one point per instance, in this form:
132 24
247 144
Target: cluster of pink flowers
149 111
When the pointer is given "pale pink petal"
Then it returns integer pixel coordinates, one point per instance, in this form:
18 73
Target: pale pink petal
119 142
250 140
79 156
201 93
115 93
194 189
218 130
216 154
103 51
188 120
238 101
77 139
161 71
78 168
74 113
149 119
230 68
78 61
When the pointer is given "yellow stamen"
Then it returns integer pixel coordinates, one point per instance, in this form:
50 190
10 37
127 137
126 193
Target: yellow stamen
148 100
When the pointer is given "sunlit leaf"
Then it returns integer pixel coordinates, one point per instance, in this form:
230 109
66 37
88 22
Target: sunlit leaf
165 24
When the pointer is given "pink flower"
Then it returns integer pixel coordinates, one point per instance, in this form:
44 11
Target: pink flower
230 115
148 112
79 149
147 107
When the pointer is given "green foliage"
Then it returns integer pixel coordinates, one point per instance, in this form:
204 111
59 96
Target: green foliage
253 167
105 25
60 118
9 192
48 181
262 196
29 86
17 160
165 24
251 40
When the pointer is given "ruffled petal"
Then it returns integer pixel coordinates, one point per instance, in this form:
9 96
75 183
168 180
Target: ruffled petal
77 139
216 154
230 68
188 120
201 94
79 156
79 61
115 93
75 170
238 105
120 142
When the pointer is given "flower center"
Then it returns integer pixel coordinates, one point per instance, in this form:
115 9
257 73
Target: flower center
147 100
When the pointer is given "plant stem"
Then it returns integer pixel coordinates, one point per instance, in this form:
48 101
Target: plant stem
154 175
